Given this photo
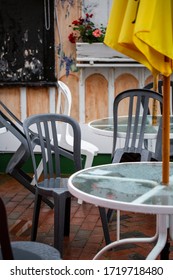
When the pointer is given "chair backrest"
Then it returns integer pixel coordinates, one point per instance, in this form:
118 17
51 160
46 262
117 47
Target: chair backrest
46 129
160 90
138 103
6 250
64 104
64 99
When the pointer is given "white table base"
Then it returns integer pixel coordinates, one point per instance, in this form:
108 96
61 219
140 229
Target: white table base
160 235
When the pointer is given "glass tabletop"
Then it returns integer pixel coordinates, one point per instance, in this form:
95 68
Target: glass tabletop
118 186
105 126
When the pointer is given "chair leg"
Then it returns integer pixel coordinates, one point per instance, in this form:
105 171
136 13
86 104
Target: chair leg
88 163
5 244
59 219
67 217
104 220
37 206
109 214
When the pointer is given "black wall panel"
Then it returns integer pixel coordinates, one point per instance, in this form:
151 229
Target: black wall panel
27 53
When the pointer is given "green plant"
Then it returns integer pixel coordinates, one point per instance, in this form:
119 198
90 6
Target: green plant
84 30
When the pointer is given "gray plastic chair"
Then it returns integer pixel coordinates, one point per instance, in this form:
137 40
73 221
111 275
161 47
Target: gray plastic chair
22 250
64 103
139 103
51 184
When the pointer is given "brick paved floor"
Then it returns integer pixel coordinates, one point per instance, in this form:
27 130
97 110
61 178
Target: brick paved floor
86 235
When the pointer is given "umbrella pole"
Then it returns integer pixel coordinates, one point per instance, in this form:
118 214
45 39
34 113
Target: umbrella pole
166 130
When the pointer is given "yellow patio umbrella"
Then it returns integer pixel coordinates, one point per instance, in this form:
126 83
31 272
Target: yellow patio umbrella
143 30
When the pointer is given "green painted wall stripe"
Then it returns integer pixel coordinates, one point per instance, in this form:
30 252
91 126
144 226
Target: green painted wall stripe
66 167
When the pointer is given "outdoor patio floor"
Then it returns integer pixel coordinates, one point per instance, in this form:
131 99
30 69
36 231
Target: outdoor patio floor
86 235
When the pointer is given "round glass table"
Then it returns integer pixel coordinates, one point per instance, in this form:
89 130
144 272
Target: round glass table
104 127
134 187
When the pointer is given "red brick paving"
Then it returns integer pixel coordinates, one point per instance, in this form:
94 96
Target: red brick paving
86 235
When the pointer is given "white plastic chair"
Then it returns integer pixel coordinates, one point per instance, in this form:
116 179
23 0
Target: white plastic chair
66 140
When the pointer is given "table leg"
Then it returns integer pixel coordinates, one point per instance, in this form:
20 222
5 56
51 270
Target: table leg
166 250
164 255
125 241
162 237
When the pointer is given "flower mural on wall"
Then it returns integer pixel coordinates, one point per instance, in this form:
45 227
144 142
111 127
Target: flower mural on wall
67 62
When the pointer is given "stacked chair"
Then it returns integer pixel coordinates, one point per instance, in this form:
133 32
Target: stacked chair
22 154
